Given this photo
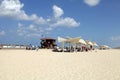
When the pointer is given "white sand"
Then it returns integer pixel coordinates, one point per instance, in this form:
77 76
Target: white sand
47 65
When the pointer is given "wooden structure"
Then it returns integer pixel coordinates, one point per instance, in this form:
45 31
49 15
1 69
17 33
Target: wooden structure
48 43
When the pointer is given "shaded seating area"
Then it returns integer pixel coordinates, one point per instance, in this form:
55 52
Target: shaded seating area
76 44
73 44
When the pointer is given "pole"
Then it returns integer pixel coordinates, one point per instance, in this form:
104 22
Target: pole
62 46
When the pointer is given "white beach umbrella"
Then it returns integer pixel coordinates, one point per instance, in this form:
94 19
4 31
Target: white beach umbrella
89 42
106 46
95 44
82 41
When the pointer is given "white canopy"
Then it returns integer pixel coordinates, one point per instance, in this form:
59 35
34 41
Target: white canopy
73 40
95 44
105 46
82 41
89 42
60 39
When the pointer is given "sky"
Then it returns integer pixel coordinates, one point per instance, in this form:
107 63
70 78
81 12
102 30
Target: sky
26 21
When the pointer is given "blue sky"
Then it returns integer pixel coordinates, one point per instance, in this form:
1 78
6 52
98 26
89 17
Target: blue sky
26 21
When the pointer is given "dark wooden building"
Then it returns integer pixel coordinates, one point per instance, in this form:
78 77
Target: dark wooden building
48 43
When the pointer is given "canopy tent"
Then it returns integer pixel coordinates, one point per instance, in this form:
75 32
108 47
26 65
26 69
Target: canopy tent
60 39
68 40
89 42
95 44
104 47
78 42
82 41
75 41
72 40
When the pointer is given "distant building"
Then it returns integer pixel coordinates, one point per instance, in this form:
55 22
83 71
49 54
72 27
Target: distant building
48 43
12 46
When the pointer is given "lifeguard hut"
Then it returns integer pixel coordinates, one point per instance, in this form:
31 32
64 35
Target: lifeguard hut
48 43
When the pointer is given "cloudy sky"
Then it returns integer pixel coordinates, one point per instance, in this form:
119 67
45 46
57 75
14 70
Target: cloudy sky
26 21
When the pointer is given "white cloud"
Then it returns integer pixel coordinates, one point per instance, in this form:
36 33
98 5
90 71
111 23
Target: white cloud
13 8
33 35
47 24
21 30
2 33
40 21
32 27
57 11
92 2
29 31
59 20
66 22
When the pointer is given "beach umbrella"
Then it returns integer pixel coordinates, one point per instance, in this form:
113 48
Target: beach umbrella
104 47
89 42
95 44
82 41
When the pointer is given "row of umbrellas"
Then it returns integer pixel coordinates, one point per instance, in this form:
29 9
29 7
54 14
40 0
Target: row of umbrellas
76 41
79 40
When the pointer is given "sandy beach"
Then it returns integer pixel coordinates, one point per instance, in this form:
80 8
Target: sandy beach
47 65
